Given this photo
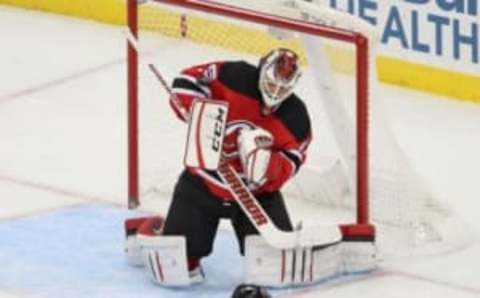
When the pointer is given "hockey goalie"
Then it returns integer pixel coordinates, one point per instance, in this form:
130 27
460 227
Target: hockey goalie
249 134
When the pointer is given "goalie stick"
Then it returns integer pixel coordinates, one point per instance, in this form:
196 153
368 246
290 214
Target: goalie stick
309 237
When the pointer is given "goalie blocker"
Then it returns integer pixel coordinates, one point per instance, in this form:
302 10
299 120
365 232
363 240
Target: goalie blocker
205 134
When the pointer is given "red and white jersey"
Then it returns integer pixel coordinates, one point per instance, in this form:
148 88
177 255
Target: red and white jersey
236 82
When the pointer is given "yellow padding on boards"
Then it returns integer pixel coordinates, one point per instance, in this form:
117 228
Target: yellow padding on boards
427 78
108 11
236 37
215 33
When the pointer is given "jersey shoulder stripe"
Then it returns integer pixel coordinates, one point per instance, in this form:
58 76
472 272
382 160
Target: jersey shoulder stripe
294 115
241 77
297 161
183 83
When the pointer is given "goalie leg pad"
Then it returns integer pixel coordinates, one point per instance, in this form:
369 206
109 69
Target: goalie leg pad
268 266
359 249
359 256
165 260
140 225
133 251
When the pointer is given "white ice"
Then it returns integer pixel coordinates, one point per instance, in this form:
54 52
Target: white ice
62 174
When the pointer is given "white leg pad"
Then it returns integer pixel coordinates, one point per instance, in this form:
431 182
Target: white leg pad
268 266
359 256
165 259
133 251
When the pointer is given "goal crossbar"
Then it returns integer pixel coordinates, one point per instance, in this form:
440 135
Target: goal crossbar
359 41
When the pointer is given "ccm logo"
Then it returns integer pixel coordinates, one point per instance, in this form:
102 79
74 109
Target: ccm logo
218 129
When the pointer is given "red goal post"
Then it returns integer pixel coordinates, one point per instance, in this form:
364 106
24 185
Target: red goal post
357 39
370 177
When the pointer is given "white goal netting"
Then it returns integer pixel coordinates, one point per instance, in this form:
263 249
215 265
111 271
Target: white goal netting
407 215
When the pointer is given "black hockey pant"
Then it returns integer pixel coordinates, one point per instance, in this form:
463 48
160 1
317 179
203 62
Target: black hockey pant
195 213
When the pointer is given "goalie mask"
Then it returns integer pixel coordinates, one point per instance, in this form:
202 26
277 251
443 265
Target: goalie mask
279 72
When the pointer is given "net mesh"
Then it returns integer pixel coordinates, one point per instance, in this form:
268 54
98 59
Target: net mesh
403 208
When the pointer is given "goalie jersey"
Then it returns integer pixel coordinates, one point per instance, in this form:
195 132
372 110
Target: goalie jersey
236 82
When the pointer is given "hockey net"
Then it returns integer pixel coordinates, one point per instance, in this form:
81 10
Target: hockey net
356 170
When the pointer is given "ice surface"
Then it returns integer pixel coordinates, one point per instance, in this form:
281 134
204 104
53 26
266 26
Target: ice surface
62 175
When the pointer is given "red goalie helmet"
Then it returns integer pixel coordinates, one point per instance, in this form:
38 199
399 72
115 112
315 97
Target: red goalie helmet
279 73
